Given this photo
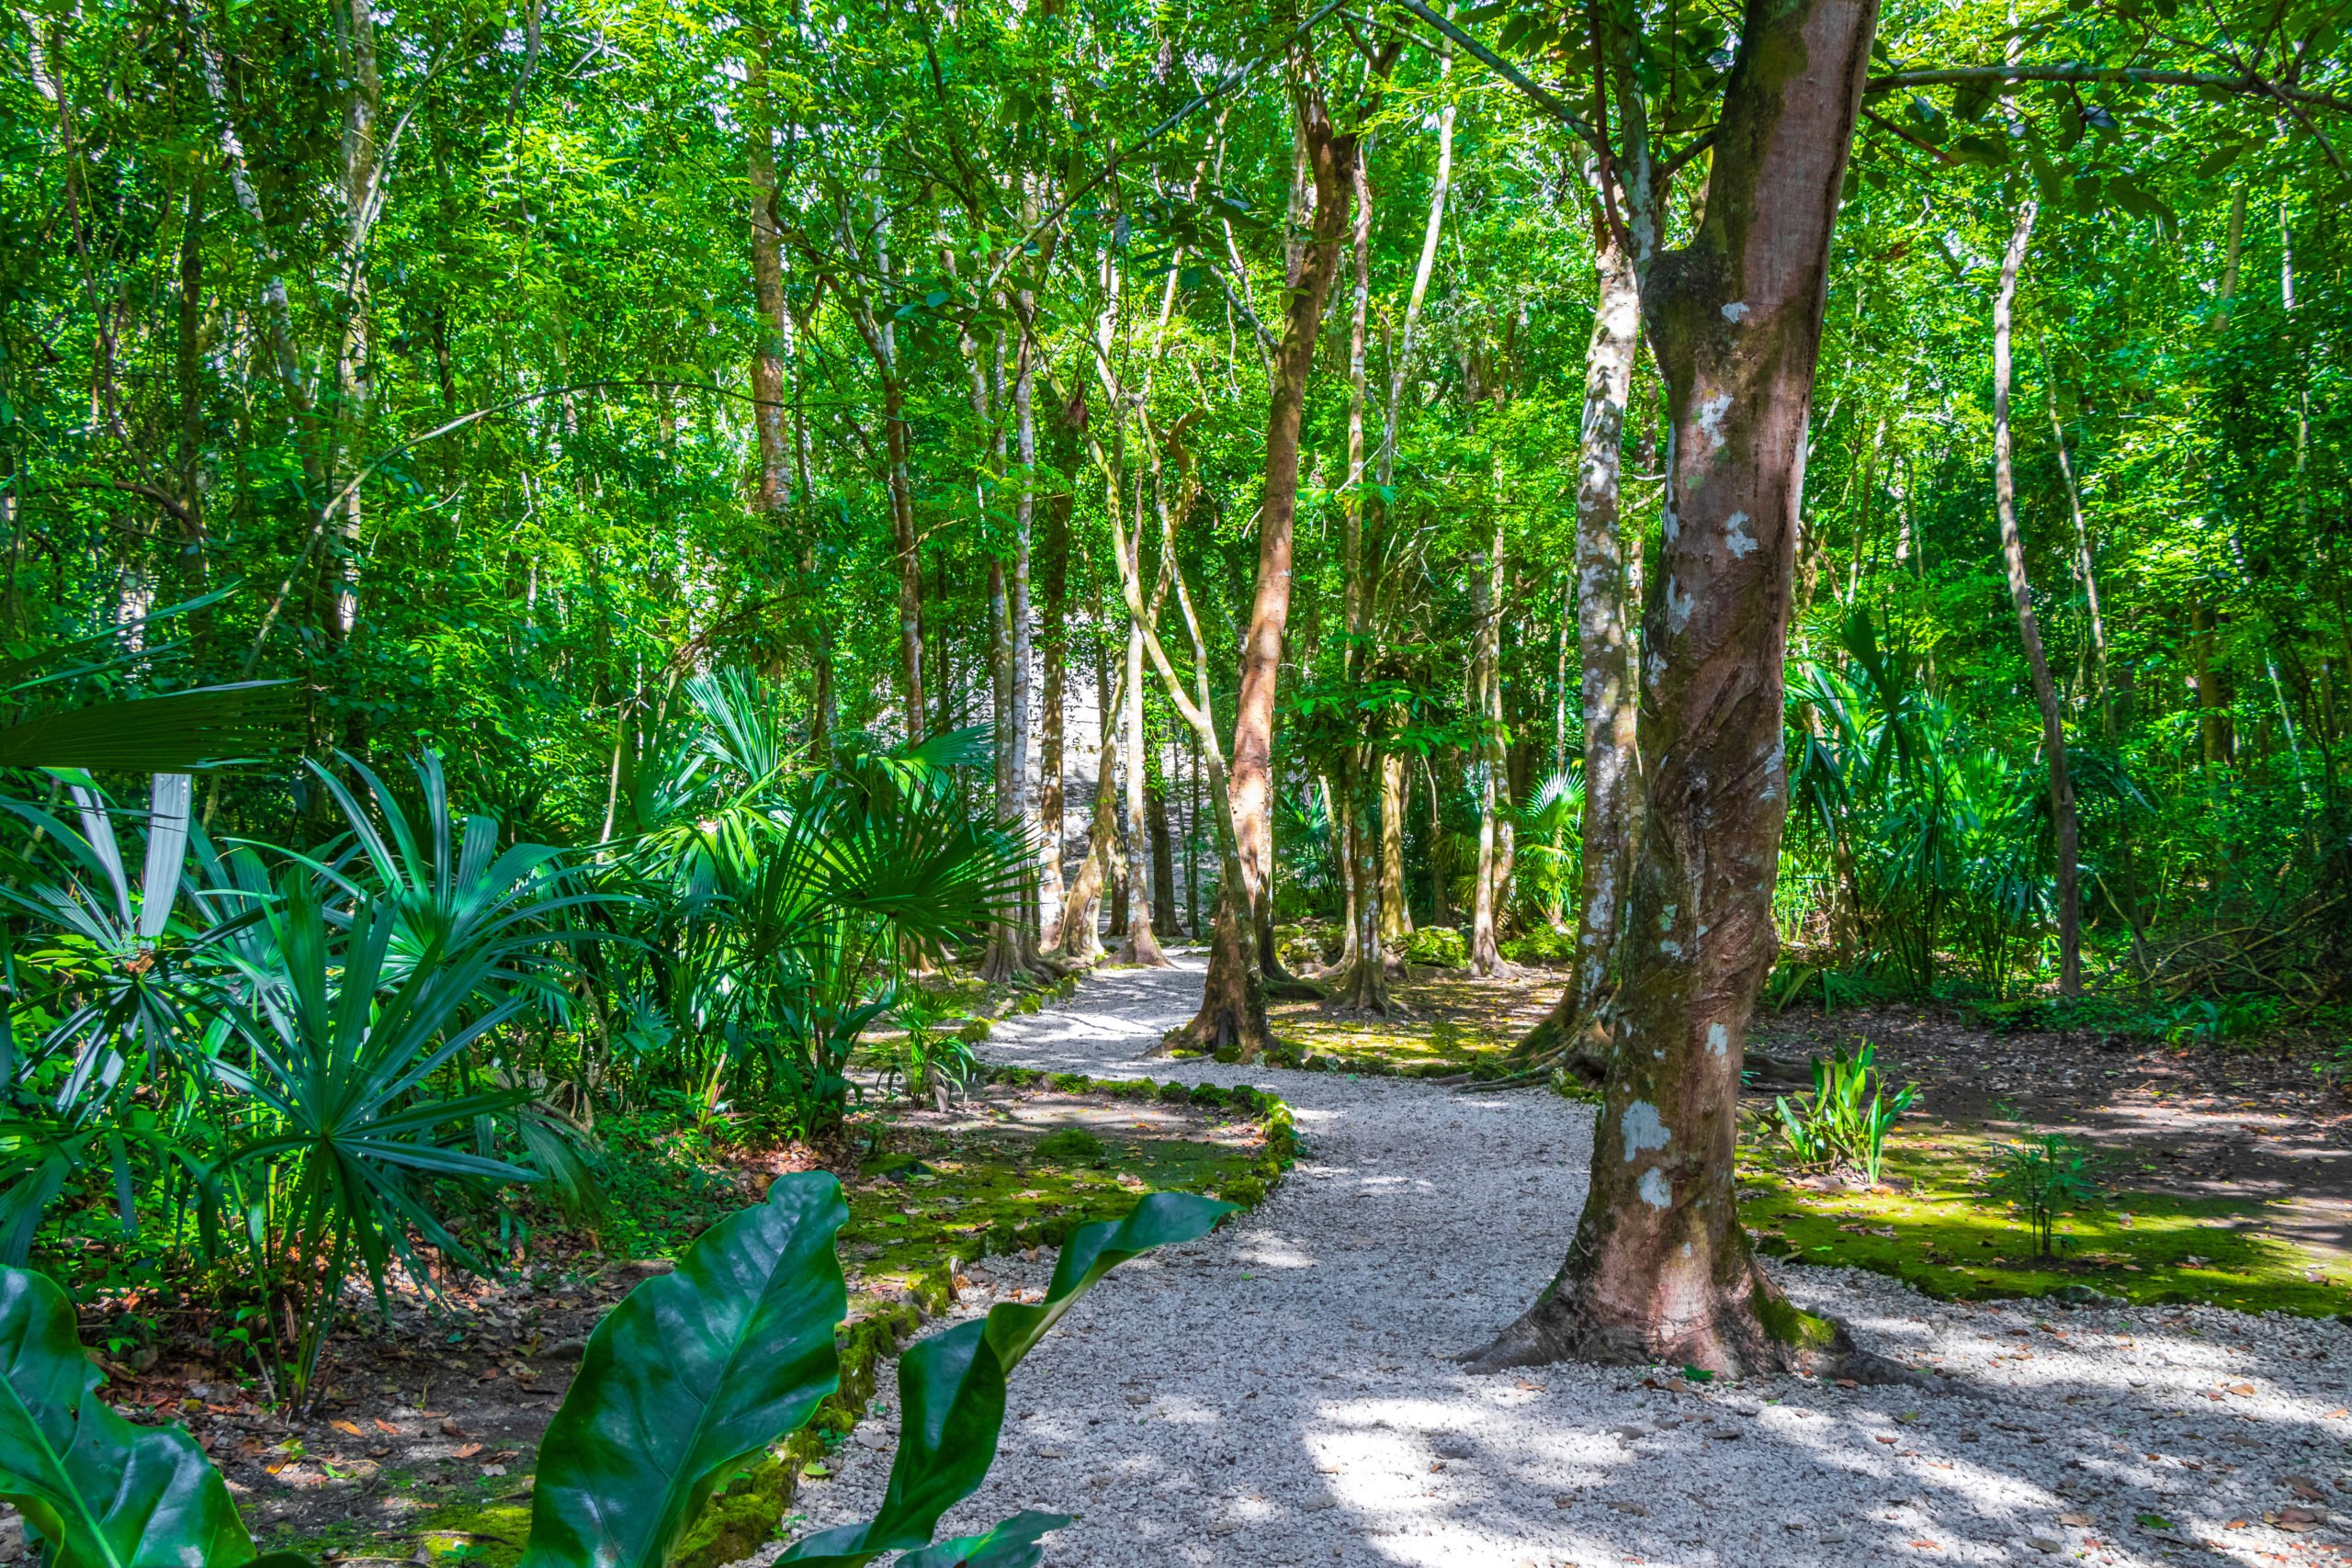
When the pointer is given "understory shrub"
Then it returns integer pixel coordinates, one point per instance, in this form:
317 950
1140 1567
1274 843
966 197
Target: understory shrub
693 1374
1440 947
1545 944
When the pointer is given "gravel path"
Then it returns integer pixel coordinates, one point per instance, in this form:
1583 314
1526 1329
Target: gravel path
1280 1392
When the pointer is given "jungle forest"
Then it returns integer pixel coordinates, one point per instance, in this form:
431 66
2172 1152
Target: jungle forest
1010 782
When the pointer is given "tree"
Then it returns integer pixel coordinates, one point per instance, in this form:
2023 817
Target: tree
1660 1268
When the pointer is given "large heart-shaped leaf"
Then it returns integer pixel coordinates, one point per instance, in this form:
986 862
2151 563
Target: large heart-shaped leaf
102 1492
950 1386
693 1372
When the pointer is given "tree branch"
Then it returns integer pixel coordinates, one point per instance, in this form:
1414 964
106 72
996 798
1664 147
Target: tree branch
2249 82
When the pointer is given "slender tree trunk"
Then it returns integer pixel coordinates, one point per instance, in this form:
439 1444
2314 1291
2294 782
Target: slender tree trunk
1142 945
1660 1270
1438 862
2045 690
1396 910
1163 857
194 568
1494 781
356 368
1605 645
1362 982
773 490
1054 648
2213 702
1079 940
1329 156
2084 563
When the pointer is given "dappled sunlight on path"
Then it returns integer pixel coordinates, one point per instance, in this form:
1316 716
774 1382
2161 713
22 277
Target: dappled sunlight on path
1281 1393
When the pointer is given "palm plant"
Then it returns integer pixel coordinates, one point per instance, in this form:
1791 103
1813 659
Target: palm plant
343 1046
115 992
1549 829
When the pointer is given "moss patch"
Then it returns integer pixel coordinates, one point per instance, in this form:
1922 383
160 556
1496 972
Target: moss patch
965 1193
1932 1228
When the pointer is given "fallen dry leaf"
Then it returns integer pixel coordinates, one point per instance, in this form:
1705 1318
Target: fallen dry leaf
451 1430
344 1427
387 1428
468 1451
378 1454
2243 1390
2334 1414
1887 1440
2080 1521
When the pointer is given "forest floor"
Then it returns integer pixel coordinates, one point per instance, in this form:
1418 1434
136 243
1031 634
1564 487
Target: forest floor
2223 1174
423 1445
1283 1392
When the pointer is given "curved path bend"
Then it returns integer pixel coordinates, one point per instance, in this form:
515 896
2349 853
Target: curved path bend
1280 1392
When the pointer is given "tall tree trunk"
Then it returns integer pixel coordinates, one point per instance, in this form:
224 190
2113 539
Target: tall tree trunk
1142 945
773 488
2213 702
1053 640
1437 855
2045 690
1361 985
189 367
1395 910
1164 856
1606 647
2085 565
1330 155
1494 781
1079 940
356 369
1660 1270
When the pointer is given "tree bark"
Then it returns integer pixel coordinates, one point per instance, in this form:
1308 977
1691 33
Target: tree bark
1605 646
1079 941
1328 155
1396 910
1493 784
1660 1270
2045 690
1053 640
1142 946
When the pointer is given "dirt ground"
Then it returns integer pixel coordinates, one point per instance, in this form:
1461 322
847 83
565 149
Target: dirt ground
426 1438
2207 1122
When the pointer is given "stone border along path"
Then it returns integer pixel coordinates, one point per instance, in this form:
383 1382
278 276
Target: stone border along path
1280 1393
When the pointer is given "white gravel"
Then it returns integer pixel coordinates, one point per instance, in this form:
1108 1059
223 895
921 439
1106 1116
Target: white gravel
1280 1392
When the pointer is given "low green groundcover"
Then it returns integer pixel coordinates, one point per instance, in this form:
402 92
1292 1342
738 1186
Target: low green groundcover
1934 1230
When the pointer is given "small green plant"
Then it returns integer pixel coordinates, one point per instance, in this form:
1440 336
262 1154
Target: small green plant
2040 1176
1440 947
934 1058
1545 944
1071 1145
1847 1118
2234 1021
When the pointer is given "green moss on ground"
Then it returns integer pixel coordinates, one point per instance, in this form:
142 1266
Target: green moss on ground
1936 1231
1007 1189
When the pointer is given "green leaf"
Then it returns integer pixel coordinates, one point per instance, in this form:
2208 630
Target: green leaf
102 1492
175 733
692 1373
950 1386
1012 1544
2153 1522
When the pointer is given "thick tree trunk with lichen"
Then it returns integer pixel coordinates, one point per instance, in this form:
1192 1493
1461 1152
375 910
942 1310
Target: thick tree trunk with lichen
1660 1269
1604 642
